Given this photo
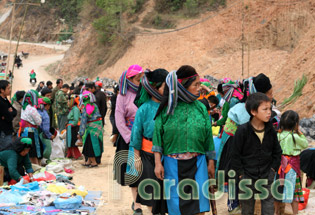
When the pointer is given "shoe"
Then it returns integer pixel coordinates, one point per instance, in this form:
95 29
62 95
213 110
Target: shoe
92 166
236 211
85 164
138 212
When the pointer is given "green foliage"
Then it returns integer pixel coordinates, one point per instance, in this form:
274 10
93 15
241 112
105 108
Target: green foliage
297 91
67 9
100 61
191 7
63 37
108 25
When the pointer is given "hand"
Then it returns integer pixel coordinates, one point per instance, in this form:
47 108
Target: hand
205 88
25 181
52 137
10 110
31 176
159 171
211 170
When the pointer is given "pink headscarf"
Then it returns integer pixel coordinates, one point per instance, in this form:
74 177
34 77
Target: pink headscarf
204 80
133 70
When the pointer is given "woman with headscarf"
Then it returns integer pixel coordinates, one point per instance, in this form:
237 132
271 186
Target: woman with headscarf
16 161
44 130
91 129
183 135
124 117
238 116
231 95
148 99
73 128
30 121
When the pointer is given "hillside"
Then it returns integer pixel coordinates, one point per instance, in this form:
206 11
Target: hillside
279 41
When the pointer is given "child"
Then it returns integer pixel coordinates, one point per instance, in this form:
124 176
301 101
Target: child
292 142
73 128
256 151
44 134
214 102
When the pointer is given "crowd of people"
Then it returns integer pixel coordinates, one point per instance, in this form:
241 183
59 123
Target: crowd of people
164 127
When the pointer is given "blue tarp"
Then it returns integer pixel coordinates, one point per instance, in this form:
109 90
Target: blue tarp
93 196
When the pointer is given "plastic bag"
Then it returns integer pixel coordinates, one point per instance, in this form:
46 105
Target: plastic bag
11 197
68 203
46 176
33 186
58 147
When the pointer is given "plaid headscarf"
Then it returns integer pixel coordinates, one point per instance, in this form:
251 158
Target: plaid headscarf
30 98
177 90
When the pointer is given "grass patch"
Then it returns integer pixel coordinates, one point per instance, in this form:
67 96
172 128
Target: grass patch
297 91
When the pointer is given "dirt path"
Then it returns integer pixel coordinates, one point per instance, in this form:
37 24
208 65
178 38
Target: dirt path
116 200
38 63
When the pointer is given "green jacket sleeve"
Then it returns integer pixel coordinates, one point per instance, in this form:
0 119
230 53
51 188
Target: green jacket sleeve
12 166
301 141
76 116
224 114
157 135
137 131
27 164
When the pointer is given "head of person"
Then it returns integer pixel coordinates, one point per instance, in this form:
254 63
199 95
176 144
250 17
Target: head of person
5 88
261 83
183 84
74 101
20 95
289 121
213 102
116 89
189 78
134 74
258 105
49 84
41 84
88 101
65 88
90 87
98 85
59 83
220 89
81 83
151 86
130 79
30 98
46 92
44 103
22 146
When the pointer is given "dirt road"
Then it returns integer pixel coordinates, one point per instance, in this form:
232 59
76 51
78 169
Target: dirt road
38 63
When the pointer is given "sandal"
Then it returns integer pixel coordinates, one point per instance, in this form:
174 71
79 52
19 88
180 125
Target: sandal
85 164
133 206
92 166
138 212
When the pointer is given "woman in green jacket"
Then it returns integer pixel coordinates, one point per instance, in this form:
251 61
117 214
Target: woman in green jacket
183 136
16 160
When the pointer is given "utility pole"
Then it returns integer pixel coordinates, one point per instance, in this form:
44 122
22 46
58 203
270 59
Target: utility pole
20 33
